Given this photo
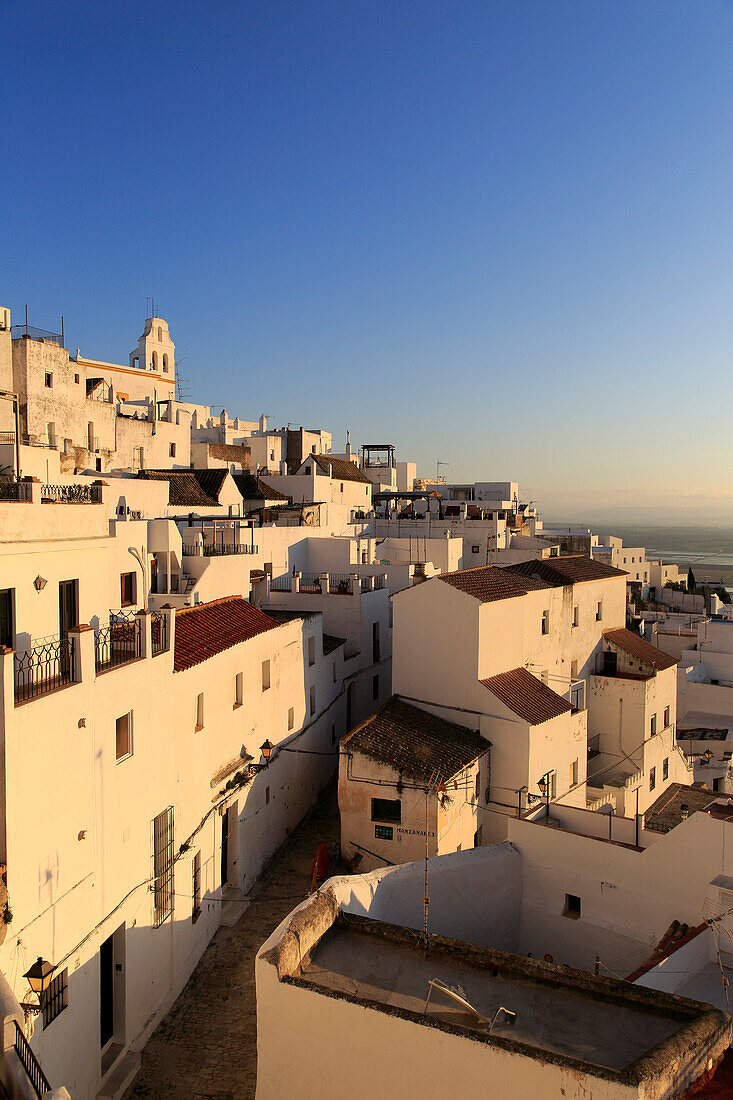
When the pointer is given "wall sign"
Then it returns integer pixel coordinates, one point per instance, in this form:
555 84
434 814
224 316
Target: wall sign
383 832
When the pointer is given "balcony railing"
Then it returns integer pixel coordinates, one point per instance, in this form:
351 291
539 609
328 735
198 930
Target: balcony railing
310 582
71 494
210 550
29 1062
281 584
117 644
46 665
7 437
158 637
339 583
19 491
16 331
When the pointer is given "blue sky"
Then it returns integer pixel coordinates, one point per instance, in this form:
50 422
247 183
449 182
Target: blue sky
498 234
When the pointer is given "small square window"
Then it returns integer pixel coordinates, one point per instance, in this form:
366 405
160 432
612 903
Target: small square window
123 736
265 675
76 379
200 711
387 809
652 779
572 906
56 998
239 689
291 717
313 701
48 380
665 768
475 549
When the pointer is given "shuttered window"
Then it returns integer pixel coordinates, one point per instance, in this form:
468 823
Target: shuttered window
163 866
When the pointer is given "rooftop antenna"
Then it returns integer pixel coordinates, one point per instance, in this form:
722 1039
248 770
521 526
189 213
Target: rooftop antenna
438 464
181 382
434 784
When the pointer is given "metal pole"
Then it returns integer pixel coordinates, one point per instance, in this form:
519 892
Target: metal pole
63 342
427 899
637 817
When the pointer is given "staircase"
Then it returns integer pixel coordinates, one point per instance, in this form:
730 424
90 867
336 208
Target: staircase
233 905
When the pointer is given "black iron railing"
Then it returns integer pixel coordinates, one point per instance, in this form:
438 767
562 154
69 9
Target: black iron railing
310 582
15 491
339 583
379 581
46 665
118 643
7 437
281 584
158 628
209 550
29 1062
72 494
16 331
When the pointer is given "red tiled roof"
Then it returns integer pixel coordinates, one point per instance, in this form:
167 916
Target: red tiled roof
636 646
414 742
567 569
342 468
210 628
527 696
489 582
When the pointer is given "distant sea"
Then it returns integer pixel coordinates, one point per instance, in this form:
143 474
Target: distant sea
708 549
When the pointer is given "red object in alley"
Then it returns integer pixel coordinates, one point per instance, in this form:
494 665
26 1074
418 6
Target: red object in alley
319 870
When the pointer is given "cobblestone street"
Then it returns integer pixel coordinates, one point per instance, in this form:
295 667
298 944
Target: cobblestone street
206 1047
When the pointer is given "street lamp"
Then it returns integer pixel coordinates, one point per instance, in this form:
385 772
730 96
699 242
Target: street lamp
39 978
544 786
266 749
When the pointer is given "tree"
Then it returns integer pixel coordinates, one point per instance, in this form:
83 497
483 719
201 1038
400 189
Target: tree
691 582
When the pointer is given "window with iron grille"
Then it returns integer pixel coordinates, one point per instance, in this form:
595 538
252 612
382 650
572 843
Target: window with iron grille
163 866
196 891
56 997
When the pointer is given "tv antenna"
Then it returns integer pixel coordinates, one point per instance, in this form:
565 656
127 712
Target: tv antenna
438 464
181 382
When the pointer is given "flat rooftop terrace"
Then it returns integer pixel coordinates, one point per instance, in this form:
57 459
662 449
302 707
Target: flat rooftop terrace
559 1011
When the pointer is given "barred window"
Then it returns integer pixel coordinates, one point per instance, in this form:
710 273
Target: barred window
56 997
196 892
163 866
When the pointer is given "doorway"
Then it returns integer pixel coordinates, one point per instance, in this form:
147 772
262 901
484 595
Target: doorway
112 994
68 606
226 825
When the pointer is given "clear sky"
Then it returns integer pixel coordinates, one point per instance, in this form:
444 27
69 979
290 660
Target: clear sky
497 234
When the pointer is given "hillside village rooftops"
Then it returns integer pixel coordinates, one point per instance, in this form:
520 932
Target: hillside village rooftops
210 628
667 811
637 647
489 583
414 742
341 468
527 696
568 569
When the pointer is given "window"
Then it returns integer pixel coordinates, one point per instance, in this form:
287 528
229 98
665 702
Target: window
76 379
267 796
196 888
127 589
123 736
313 449
576 615
238 689
311 651
172 450
272 456
475 549
652 779
6 617
665 768
599 611
163 866
291 717
387 809
160 334
342 486
333 735
265 675
653 726
165 363
574 774
666 717
572 906
334 672
375 687
313 701
375 642
56 997
545 622
154 364
199 711
48 379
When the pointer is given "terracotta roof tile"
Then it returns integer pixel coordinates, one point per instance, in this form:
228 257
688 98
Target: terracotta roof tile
527 696
636 646
210 628
343 470
489 582
184 488
253 488
414 742
567 569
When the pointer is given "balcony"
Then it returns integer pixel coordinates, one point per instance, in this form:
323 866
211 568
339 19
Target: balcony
46 665
72 494
211 550
117 644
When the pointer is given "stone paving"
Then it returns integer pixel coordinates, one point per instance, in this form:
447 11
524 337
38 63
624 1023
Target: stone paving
206 1047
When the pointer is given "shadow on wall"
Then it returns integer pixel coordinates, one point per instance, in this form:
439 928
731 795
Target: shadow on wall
474 895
